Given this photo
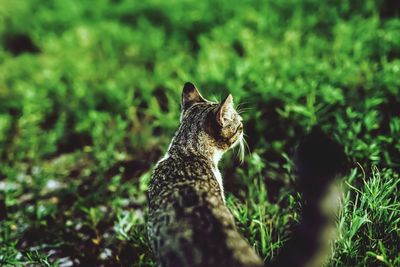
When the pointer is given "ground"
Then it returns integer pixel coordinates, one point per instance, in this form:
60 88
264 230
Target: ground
90 98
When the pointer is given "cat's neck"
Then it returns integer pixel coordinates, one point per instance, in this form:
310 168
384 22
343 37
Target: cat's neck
212 156
187 146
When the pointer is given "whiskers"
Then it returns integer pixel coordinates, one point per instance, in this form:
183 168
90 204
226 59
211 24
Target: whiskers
241 108
240 152
243 145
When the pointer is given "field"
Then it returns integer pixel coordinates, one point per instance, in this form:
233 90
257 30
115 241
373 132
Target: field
90 98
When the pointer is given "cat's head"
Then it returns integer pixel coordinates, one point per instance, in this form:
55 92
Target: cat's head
210 125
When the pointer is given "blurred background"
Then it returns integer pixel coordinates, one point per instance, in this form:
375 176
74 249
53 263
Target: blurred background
90 99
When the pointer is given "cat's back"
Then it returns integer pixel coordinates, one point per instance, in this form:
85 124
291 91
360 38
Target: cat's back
174 173
189 224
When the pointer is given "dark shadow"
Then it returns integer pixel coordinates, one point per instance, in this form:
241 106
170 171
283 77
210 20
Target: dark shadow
20 43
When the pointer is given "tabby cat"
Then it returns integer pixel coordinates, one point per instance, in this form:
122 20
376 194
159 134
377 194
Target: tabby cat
189 223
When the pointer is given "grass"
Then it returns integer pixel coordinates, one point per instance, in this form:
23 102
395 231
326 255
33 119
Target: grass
89 100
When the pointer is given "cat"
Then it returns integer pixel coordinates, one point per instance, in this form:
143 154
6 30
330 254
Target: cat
188 221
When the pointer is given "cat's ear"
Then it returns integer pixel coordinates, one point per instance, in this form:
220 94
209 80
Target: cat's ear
190 96
225 110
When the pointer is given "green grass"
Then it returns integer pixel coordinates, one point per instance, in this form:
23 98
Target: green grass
90 98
